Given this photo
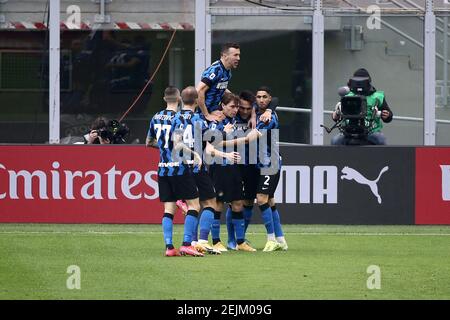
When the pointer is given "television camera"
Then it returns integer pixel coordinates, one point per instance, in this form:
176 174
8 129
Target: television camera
353 121
114 131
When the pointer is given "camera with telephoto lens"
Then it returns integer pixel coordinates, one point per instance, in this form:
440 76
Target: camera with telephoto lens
114 131
352 111
354 124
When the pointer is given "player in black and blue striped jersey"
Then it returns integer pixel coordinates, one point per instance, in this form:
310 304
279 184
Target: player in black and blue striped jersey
269 164
247 166
190 128
215 79
226 175
214 83
175 180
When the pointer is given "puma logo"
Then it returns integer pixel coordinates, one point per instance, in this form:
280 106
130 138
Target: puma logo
351 174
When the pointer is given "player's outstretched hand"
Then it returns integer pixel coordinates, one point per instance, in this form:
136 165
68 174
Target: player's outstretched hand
266 116
254 134
228 128
197 159
233 157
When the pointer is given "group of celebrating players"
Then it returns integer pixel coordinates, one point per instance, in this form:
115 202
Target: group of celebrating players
195 166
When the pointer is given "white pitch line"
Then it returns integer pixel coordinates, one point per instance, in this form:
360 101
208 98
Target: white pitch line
80 232
250 233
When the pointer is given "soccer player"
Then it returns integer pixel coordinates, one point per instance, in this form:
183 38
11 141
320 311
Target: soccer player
269 164
226 175
214 83
190 127
174 178
247 167
215 79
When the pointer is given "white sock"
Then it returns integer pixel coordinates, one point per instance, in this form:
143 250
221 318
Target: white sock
271 237
281 239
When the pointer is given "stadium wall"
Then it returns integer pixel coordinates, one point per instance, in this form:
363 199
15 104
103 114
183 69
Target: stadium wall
318 185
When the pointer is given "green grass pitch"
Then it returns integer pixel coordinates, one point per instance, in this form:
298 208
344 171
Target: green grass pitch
127 262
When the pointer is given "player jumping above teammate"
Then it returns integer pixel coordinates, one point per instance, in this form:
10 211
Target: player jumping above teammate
214 83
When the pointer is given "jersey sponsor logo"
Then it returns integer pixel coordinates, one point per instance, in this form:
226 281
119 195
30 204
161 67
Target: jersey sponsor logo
296 183
222 85
241 126
169 164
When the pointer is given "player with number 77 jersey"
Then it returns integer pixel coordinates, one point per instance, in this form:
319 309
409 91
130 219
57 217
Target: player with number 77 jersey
161 131
175 180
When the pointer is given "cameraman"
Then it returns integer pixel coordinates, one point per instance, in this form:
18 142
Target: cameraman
376 103
94 136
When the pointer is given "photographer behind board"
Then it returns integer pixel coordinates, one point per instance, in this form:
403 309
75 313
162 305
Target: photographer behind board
361 112
106 132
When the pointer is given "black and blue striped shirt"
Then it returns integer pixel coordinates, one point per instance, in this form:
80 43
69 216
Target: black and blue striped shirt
217 129
265 154
191 126
242 129
216 77
162 129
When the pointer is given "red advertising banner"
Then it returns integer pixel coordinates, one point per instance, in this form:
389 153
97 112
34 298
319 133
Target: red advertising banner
432 185
118 184
79 184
